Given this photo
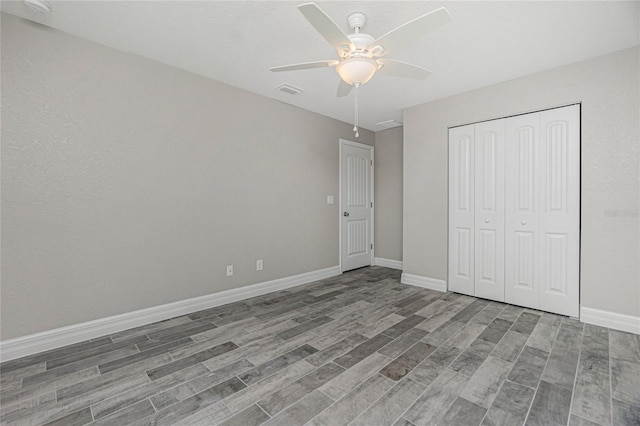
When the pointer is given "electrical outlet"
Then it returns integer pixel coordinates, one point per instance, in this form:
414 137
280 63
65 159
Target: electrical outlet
229 270
259 265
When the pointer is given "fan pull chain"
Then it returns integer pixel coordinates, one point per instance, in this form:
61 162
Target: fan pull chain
355 110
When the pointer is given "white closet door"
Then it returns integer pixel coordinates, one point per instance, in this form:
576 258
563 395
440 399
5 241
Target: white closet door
560 210
522 210
461 197
489 209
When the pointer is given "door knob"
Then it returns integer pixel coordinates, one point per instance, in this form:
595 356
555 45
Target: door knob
345 214
486 221
523 223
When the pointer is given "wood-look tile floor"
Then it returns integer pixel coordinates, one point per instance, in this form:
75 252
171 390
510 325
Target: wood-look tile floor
360 349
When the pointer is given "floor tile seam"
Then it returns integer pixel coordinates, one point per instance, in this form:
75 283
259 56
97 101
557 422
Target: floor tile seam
575 377
388 391
4 407
157 409
79 361
26 411
482 310
514 366
296 401
610 376
63 356
597 373
445 410
93 415
150 396
333 401
257 403
516 358
535 393
446 341
16 392
260 408
497 393
121 393
77 397
426 389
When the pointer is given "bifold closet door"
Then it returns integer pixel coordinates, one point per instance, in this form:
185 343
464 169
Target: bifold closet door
522 203
560 210
489 209
461 218
543 210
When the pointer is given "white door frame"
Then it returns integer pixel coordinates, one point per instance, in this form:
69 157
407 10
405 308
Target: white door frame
371 150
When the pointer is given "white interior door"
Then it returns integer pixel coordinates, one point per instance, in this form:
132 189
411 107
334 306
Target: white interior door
461 217
560 210
356 184
489 209
522 207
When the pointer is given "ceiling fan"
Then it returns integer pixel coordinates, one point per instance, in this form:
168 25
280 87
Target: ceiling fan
361 55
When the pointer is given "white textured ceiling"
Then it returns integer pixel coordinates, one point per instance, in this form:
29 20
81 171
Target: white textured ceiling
235 42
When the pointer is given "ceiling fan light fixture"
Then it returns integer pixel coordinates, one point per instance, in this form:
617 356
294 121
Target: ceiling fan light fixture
357 70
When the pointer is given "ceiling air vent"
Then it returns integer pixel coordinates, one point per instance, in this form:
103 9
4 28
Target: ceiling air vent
389 124
287 88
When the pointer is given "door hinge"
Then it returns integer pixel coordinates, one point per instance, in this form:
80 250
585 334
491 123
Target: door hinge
372 162
372 204
371 246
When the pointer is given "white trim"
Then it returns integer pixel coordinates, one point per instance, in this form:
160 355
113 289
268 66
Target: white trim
610 320
372 230
388 263
424 282
51 339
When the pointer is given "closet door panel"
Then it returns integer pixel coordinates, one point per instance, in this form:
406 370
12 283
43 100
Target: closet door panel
489 209
522 206
461 207
560 210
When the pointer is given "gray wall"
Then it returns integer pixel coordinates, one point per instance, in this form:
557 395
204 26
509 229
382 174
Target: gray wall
608 88
128 184
388 194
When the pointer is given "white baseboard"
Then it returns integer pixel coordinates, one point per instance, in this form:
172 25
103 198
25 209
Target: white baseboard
610 319
52 339
424 282
388 263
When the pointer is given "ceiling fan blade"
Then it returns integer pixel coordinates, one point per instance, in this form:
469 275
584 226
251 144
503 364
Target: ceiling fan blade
343 88
402 69
326 26
305 66
412 31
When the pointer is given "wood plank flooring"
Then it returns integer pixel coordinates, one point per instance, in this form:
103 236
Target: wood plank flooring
359 348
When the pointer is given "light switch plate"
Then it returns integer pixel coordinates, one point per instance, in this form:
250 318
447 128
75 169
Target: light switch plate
330 199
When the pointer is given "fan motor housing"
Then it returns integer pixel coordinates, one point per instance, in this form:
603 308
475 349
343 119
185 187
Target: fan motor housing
361 40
